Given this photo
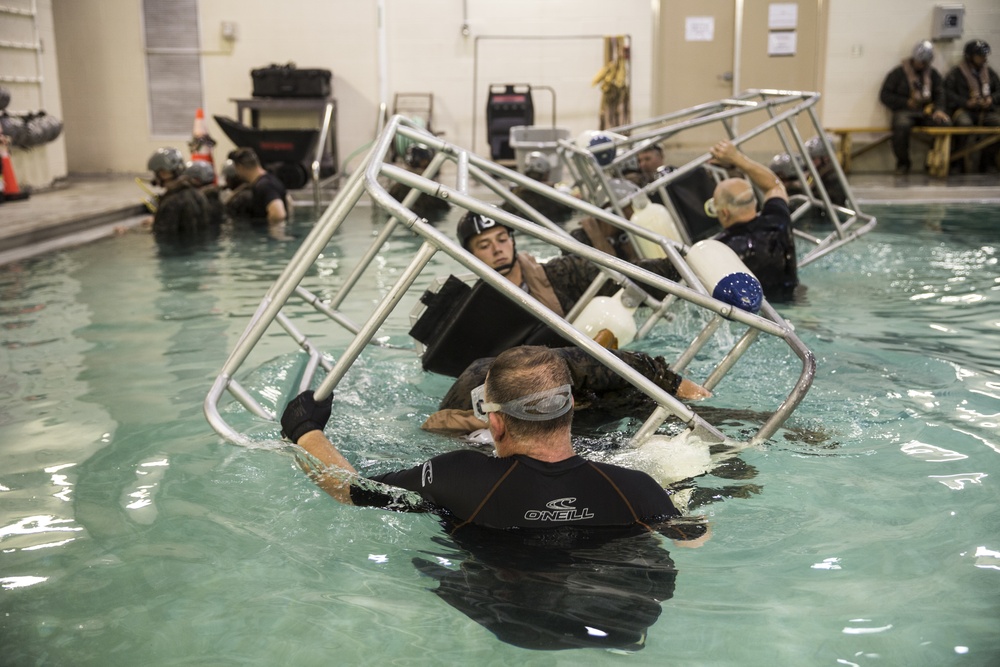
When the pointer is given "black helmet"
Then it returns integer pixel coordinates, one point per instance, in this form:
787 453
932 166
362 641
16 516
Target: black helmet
977 47
166 159
418 155
474 224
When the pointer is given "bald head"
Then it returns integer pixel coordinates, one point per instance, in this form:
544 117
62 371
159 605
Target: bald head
735 201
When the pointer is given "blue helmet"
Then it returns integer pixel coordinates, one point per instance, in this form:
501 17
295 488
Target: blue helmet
603 148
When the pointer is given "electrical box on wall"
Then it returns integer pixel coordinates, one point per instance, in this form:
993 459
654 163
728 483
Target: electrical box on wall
948 21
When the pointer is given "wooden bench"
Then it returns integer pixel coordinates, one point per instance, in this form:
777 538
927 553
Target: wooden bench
940 155
846 151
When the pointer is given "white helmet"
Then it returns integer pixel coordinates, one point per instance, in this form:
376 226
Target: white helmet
923 52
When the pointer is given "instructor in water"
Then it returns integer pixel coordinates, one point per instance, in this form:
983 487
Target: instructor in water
536 479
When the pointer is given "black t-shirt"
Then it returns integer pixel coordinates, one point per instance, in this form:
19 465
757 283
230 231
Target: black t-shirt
521 492
266 189
767 247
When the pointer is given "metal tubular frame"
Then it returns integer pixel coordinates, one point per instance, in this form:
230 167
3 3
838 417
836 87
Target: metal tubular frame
366 180
782 108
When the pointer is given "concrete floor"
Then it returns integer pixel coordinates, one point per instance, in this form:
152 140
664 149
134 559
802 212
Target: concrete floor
80 209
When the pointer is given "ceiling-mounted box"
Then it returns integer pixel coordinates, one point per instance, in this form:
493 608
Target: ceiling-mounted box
948 21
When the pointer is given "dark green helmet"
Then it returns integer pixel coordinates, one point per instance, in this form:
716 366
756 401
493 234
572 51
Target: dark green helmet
200 172
166 159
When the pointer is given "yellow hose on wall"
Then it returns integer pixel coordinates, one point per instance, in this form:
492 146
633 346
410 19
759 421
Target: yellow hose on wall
613 78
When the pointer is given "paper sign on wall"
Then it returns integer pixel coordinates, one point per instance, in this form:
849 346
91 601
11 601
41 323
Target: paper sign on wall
782 16
699 28
781 43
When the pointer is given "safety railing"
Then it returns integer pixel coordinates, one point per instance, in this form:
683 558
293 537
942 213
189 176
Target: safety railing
327 369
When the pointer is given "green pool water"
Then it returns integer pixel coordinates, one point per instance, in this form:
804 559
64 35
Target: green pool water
131 534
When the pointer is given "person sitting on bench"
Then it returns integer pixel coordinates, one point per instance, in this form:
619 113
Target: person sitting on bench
971 90
914 93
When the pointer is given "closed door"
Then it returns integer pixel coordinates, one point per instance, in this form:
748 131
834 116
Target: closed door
694 60
711 49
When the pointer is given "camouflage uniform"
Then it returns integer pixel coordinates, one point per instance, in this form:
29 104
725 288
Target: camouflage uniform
594 384
181 212
215 211
571 276
605 237
239 205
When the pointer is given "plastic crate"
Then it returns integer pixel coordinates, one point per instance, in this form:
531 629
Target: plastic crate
527 139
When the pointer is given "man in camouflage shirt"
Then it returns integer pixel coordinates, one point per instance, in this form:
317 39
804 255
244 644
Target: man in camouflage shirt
182 210
558 284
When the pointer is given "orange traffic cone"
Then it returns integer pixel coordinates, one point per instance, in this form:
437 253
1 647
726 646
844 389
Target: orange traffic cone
11 191
201 144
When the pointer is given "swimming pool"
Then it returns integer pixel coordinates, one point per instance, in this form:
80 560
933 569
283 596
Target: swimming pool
131 534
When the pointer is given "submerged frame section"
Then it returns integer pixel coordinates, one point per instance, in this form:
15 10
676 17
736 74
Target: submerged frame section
329 370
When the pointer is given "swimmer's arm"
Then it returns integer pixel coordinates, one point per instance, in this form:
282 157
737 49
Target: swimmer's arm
276 211
689 532
697 541
727 155
691 391
335 471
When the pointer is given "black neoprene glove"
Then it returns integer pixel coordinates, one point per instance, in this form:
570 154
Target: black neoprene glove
303 414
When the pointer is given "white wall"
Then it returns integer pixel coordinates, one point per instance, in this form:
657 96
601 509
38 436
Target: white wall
40 165
426 52
103 80
555 43
867 38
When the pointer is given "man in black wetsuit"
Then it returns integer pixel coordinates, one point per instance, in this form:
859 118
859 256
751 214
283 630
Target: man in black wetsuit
270 198
650 163
581 570
762 240
536 480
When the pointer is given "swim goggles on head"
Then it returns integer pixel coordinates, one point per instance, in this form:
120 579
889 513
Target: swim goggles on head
537 407
710 208
745 199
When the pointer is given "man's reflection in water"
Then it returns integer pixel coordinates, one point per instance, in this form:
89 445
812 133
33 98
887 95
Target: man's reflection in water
560 588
